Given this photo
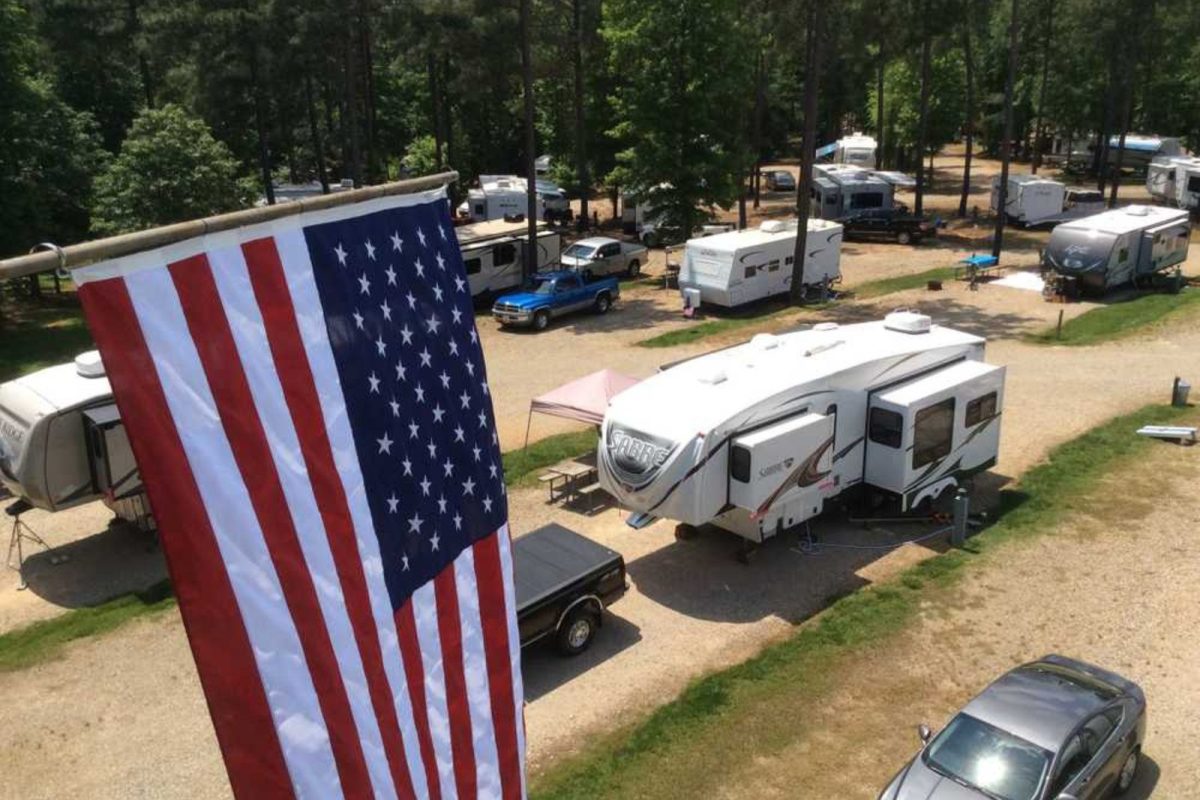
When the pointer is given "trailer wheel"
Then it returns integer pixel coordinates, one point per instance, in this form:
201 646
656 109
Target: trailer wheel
685 532
603 303
634 269
577 631
541 320
903 237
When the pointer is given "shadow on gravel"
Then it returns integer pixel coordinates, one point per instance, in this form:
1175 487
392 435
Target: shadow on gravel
543 669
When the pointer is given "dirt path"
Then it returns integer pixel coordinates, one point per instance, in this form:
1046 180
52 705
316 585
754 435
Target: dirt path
1115 587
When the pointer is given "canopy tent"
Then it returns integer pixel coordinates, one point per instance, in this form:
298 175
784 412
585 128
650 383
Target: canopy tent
584 399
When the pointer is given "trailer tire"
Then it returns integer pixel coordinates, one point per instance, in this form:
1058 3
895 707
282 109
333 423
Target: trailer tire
685 532
603 303
904 237
541 320
634 268
577 631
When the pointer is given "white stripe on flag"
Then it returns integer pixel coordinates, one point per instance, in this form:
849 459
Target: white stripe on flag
297 267
250 337
299 722
425 611
487 760
514 643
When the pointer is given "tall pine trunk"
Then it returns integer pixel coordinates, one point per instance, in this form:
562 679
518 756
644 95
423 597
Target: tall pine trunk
812 75
969 63
1006 144
881 62
314 133
529 265
260 124
923 112
1039 133
581 165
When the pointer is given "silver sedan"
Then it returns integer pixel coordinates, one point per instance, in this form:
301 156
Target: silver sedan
1054 729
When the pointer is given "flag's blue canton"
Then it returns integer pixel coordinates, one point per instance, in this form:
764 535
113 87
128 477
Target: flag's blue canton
398 311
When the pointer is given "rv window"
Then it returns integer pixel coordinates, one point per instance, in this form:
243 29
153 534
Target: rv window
773 266
789 260
504 254
473 266
739 464
981 408
479 209
933 432
886 428
1194 183
750 271
832 412
866 200
1123 256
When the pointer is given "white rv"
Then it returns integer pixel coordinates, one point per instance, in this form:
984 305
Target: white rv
1030 199
1118 246
738 267
840 190
856 149
504 196
757 438
62 442
1175 180
493 253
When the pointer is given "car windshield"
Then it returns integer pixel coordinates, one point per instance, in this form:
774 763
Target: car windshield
985 758
543 286
579 251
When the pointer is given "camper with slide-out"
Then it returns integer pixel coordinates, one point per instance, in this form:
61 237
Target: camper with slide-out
493 253
758 439
1117 247
730 269
1175 180
1029 199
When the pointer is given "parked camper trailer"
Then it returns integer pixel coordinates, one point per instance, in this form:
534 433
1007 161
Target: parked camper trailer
757 438
504 196
1119 246
1030 199
1175 180
840 189
493 253
62 442
1140 150
738 267
855 149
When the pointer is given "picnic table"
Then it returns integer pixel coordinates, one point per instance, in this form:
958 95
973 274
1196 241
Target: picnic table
976 266
571 478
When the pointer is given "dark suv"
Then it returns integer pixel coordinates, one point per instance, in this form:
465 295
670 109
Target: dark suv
896 223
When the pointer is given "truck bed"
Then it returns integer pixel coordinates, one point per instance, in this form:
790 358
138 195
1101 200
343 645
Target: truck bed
551 559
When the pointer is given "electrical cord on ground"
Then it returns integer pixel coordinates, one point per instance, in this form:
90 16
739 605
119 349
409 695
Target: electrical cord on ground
809 547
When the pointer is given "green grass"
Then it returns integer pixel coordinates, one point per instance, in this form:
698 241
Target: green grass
901 283
1121 319
758 707
520 466
40 338
43 641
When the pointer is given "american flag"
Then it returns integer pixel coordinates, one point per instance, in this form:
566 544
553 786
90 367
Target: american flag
308 405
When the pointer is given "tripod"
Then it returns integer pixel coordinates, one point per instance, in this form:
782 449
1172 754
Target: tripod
20 532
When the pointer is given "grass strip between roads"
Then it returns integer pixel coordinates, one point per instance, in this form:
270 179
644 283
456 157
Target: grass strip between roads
44 640
757 708
901 283
521 465
1119 320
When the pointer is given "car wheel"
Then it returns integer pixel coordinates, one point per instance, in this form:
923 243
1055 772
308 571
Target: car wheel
685 532
577 631
650 239
903 237
634 269
541 320
1128 771
603 303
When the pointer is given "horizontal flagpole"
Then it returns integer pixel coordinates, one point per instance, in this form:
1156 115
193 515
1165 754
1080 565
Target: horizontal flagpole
78 255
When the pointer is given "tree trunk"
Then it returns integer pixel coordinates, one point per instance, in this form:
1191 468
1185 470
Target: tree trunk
352 162
969 62
1006 144
812 75
435 114
1126 112
760 101
881 62
447 117
1038 133
314 133
368 94
923 112
529 265
1105 127
260 125
581 165
133 30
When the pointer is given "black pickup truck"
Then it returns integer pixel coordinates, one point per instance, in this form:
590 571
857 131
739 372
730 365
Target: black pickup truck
564 582
896 223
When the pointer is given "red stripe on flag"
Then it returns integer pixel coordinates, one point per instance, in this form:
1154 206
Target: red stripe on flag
457 703
213 338
414 673
216 632
300 391
493 617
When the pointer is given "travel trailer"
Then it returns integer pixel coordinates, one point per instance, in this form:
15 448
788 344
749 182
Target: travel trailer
504 197
1175 180
62 442
839 189
738 267
1141 150
1029 199
757 439
1119 246
493 253
855 149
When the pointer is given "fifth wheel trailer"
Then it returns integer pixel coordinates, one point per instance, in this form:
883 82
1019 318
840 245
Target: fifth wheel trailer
1119 246
493 253
757 439
730 269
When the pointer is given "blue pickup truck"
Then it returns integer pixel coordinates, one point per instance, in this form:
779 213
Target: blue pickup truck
552 294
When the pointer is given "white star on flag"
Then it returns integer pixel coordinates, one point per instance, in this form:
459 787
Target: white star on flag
385 444
340 252
364 285
370 250
397 242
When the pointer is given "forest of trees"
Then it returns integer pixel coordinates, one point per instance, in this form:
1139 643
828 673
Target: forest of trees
120 114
